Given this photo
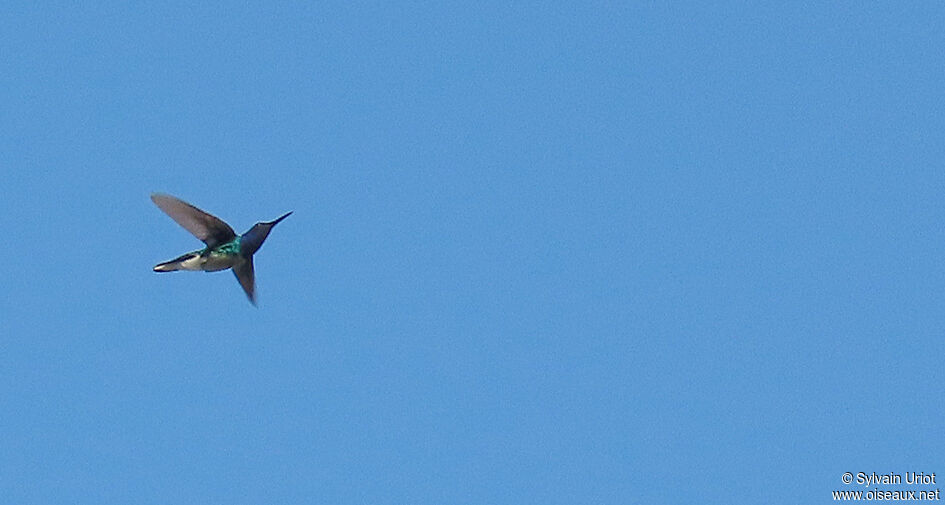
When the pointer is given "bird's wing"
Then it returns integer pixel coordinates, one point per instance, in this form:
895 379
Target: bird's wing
246 276
210 229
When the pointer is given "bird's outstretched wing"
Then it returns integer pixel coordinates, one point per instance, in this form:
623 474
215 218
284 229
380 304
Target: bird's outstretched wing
245 274
210 229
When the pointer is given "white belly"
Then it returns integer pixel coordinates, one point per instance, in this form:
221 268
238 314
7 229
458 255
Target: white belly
192 263
208 263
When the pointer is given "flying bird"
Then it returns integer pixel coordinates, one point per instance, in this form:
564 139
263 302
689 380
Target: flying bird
225 249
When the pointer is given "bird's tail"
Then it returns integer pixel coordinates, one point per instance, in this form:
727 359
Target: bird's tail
174 264
167 266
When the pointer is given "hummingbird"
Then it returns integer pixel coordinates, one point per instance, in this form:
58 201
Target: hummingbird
225 249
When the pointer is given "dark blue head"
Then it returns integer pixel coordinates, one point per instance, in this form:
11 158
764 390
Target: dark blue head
251 241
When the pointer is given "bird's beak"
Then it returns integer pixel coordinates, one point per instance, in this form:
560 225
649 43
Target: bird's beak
273 223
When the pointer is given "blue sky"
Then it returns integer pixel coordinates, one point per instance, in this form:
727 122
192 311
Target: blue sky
541 253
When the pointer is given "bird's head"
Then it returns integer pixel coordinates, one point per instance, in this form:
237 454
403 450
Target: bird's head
252 240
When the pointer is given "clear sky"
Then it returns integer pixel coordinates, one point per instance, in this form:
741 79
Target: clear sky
550 253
